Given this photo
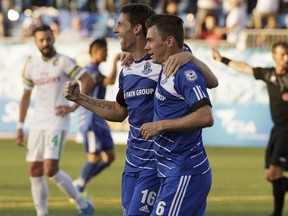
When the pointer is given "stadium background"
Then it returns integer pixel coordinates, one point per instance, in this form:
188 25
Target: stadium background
240 104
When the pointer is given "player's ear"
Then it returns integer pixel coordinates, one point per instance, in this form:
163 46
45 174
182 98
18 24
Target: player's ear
170 40
138 28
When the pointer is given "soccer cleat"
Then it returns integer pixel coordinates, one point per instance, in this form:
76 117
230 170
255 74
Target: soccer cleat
83 194
88 211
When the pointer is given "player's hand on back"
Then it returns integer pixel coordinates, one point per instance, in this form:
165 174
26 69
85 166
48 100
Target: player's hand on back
71 90
175 62
126 59
63 110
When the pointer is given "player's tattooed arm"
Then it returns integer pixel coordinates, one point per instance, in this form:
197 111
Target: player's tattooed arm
103 104
109 110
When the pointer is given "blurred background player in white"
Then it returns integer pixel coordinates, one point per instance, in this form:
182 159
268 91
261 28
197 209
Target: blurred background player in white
95 131
50 121
236 21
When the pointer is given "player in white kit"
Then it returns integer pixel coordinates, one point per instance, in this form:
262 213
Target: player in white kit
50 123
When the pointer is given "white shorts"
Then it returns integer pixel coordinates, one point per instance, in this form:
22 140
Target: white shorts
45 144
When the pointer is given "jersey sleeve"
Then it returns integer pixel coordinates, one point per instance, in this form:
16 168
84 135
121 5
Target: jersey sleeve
26 78
71 69
191 85
263 74
96 76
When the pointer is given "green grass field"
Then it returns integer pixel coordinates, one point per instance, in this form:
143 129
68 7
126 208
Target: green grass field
238 189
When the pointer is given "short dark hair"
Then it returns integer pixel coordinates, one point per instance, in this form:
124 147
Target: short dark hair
99 43
138 13
281 44
168 25
42 28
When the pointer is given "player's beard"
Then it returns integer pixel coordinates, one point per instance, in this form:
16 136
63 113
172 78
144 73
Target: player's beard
47 52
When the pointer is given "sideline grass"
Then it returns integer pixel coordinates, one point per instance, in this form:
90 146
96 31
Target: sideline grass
238 189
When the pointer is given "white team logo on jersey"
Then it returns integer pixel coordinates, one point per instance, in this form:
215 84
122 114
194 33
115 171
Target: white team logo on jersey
147 68
190 75
163 79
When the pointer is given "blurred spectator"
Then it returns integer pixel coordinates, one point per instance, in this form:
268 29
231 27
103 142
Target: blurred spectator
272 22
170 7
55 27
264 9
30 23
211 31
75 32
205 8
236 21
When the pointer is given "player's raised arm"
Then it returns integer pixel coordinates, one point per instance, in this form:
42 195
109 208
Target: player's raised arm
109 110
239 66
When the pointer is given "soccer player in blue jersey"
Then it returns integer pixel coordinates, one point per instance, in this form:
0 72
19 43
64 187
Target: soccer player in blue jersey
137 83
182 108
96 134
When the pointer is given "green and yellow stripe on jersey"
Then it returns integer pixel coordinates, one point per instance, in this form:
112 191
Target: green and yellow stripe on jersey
28 82
75 71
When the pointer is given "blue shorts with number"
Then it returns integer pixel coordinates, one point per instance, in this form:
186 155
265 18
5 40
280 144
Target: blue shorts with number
183 195
139 192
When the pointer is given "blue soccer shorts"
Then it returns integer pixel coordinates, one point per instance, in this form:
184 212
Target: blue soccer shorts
139 192
98 140
183 195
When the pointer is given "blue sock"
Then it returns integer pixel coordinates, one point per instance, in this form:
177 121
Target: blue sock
99 167
89 170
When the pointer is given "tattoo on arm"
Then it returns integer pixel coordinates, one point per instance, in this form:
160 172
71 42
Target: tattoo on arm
101 104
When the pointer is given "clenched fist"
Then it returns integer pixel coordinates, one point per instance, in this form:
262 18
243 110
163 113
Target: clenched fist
71 90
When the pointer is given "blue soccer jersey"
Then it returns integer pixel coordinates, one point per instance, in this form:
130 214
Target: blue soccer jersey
180 153
138 83
88 120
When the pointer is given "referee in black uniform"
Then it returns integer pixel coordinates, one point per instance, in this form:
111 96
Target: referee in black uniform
276 79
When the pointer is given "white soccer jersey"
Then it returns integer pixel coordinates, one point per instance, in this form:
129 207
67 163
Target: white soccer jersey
48 78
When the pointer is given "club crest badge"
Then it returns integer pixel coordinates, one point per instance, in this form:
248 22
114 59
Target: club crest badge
56 62
147 68
163 80
190 75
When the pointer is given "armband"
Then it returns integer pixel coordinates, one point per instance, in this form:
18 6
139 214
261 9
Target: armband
20 125
225 60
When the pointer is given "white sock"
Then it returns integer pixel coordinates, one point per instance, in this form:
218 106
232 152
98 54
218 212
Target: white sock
64 183
39 191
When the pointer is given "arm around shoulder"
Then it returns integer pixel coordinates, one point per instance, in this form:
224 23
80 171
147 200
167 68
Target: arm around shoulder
211 79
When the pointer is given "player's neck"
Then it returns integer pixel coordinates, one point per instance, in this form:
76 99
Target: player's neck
140 51
138 55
